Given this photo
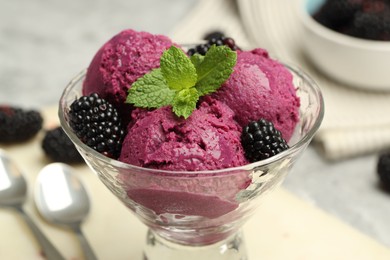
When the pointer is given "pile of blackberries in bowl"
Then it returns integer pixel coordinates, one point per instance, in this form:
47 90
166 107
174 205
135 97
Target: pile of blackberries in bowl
364 19
349 40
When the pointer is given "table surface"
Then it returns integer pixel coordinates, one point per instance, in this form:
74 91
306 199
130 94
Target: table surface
45 43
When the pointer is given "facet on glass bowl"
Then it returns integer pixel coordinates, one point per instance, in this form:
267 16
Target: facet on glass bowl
199 208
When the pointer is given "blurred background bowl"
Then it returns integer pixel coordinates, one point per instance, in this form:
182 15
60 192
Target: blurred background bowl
356 62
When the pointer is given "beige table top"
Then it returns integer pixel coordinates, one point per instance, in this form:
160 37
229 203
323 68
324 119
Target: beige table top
284 227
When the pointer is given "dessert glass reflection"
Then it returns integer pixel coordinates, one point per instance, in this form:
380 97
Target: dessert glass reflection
195 214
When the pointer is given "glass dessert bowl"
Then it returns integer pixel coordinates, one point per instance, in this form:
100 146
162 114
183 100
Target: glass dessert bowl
194 214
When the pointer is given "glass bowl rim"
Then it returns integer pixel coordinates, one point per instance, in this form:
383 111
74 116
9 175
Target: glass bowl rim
247 167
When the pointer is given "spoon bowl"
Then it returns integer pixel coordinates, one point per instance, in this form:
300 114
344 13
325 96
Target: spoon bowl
13 192
62 199
13 186
60 196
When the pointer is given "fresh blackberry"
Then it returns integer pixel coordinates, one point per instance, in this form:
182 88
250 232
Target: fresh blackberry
366 19
59 148
336 14
261 140
215 38
17 124
213 34
375 6
371 25
383 169
367 26
97 124
202 48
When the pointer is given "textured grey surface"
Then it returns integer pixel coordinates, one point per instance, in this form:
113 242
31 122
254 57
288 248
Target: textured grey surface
43 44
347 189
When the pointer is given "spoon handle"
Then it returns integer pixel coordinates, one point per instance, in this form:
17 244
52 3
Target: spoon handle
87 249
48 249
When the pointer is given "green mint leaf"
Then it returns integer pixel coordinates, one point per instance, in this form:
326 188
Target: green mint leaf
197 59
184 102
181 80
177 69
215 69
150 91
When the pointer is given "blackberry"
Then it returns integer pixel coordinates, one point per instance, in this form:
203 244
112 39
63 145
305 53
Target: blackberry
59 148
202 48
366 19
213 34
214 38
17 124
261 140
383 169
336 14
97 124
371 26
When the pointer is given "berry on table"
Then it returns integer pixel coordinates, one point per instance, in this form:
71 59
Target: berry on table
261 140
383 169
17 124
59 148
96 122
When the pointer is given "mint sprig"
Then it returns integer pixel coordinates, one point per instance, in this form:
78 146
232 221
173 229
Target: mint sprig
177 69
185 101
151 91
216 67
181 81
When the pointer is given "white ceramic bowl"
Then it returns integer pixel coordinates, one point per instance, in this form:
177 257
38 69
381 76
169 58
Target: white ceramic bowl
356 62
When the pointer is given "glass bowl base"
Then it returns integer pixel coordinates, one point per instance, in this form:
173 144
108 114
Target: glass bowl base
158 248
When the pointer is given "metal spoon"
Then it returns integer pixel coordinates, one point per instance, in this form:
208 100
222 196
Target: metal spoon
62 199
13 192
